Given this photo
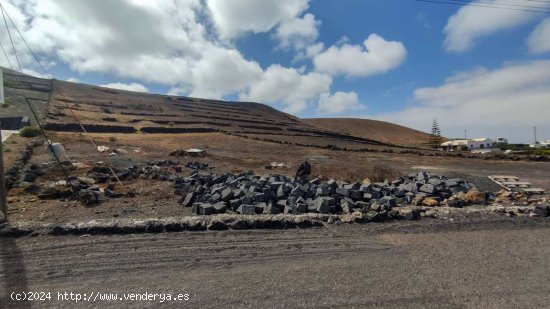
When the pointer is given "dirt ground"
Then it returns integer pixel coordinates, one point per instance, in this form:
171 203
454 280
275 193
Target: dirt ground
490 263
225 153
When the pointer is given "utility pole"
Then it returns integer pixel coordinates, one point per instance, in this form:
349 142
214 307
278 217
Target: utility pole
465 134
3 203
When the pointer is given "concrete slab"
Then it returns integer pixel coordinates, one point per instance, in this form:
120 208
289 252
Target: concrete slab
7 133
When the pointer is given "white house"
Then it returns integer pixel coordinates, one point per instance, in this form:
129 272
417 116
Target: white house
541 144
501 140
467 144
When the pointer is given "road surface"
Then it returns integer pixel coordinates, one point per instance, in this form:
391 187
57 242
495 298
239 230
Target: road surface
503 263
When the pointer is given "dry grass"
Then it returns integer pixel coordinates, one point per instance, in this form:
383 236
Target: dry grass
375 173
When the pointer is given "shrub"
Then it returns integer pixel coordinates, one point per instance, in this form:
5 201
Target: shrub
29 131
4 105
112 139
5 148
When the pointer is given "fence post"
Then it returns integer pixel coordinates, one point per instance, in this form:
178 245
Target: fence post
3 204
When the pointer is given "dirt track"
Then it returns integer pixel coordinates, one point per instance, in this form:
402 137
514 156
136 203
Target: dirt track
491 263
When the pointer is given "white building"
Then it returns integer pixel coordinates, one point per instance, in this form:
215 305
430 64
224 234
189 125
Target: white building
467 144
541 144
501 140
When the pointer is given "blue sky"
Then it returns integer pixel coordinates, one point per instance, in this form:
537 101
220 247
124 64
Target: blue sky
477 69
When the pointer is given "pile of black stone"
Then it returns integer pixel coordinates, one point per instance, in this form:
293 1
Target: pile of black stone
249 194
13 173
196 165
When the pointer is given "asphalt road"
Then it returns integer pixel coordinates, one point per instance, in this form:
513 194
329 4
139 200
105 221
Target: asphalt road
425 264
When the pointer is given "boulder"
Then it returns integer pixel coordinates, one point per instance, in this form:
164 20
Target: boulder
227 194
347 205
427 188
90 197
304 169
220 207
430 201
246 209
417 200
189 199
542 210
456 202
206 209
475 197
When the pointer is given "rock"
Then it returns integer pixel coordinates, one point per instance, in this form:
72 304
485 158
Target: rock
374 216
206 209
219 207
456 202
321 205
271 209
542 210
475 197
88 197
49 194
227 194
304 169
427 188
234 204
422 176
430 201
246 209
343 192
417 200
388 201
189 199
347 205
86 180
409 213
29 176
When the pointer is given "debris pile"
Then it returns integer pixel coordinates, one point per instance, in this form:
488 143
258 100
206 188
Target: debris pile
272 194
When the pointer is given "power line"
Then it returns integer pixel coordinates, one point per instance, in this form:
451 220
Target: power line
9 34
47 140
6 54
25 41
484 6
49 99
501 4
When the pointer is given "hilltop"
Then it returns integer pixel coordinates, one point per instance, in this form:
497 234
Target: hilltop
381 131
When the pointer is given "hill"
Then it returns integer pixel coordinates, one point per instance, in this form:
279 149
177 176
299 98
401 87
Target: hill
63 106
377 130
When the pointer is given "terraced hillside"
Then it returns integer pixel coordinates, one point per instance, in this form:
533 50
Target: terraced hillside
18 87
105 110
378 130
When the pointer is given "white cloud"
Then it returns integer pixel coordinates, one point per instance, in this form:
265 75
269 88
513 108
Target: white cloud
339 102
298 32
310 52
485 102
233 18
221 72
539 39
179 52
130 87
287 86
472 23
375 56
73 80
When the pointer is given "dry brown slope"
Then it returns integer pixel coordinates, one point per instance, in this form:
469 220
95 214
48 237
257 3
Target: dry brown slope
373 129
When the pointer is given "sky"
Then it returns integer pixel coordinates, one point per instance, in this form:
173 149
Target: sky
485 71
